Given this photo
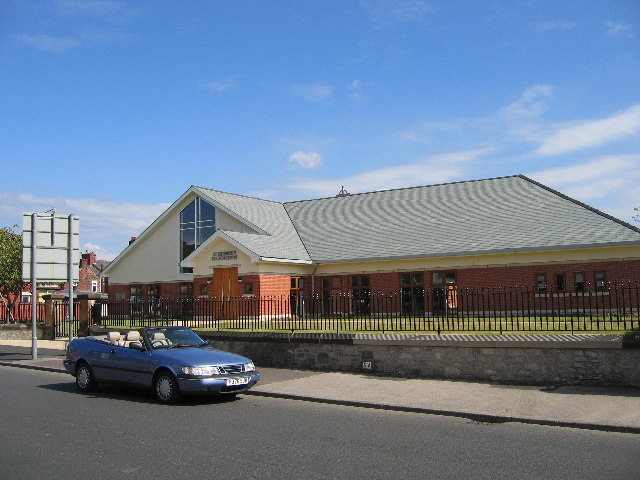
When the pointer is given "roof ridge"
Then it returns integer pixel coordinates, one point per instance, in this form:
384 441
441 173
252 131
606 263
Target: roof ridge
406 188
236 194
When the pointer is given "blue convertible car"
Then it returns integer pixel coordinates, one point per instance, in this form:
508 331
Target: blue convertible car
170 360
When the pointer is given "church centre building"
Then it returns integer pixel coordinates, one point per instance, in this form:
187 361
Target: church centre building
509 231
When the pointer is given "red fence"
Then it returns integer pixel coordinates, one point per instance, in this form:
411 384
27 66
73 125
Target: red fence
21 312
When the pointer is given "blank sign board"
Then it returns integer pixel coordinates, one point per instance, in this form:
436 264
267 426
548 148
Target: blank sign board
57 243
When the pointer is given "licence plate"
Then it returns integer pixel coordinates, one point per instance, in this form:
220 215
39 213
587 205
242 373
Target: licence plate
237 381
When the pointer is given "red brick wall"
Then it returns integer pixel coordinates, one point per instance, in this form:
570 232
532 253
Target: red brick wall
517 276
273 285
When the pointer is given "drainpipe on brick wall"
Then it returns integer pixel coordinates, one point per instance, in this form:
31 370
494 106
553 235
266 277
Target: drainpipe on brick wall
313 280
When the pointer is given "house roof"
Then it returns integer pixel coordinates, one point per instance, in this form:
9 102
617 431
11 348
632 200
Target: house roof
497 215
275 236
485 216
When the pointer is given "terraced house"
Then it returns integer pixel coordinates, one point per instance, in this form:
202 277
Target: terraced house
509 231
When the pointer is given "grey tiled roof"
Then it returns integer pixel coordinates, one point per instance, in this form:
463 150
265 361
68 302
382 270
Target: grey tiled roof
485 216
276 236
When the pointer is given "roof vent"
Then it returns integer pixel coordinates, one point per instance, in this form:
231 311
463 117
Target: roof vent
343 193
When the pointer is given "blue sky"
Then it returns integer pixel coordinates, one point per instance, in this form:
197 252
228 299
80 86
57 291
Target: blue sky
111 109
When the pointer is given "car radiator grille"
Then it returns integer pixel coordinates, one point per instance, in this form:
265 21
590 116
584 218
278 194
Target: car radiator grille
232 368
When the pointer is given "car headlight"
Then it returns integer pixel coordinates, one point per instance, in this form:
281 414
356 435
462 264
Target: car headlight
201 371
249 367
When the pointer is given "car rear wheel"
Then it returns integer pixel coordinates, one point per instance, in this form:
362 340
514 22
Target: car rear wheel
165 388
85 380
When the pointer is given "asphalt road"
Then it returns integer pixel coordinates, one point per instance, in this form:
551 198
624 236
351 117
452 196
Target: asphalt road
48 430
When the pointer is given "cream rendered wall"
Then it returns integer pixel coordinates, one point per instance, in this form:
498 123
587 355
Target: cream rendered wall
154 256
203 265
482 261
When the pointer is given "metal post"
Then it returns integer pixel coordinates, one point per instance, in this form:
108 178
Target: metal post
34 290
70 276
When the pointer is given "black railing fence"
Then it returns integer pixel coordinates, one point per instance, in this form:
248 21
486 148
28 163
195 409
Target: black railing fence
440 309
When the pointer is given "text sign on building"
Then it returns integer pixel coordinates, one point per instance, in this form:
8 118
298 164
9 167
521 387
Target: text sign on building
57 245
228 255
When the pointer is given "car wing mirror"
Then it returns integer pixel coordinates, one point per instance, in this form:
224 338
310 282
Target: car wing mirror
136 346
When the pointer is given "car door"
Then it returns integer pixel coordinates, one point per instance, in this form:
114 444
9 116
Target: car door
129 365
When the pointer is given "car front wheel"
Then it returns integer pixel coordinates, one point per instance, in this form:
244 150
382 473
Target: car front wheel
85 381
165 388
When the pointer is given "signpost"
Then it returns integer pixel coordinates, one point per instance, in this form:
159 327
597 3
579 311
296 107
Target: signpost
50 253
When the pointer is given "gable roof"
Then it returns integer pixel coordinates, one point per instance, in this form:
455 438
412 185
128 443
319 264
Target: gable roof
275 237
496 215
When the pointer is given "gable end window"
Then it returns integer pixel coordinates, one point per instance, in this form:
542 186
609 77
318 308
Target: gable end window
197 223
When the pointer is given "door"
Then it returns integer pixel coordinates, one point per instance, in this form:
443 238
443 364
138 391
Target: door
225 292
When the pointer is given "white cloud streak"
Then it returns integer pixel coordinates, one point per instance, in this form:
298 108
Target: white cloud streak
313 92
306 159
434 169
592 133
102 221
49 43
613 181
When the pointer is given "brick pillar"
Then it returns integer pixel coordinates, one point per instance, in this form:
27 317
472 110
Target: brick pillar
86 301
49 332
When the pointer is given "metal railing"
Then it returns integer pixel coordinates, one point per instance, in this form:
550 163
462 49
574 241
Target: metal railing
615 307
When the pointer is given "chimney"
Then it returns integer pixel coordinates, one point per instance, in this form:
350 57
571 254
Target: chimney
133 239
88 259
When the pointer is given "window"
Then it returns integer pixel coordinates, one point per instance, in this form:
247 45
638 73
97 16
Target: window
541 282
94 285
136 293
440 278
600 281
560 282
579 282
412 293
361 294
186 290
197 223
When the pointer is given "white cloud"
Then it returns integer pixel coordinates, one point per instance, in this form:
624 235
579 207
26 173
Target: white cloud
392 12
613 181
306 159
592 133
548 26
221 85
109 10
434 169
519 120
313 92
49 43
106 223
618 28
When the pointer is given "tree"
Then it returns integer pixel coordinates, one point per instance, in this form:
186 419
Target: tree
11 284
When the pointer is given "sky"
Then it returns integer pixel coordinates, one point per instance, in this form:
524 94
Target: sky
112 109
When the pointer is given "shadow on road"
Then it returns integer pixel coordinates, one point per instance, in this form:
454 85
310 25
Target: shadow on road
137 395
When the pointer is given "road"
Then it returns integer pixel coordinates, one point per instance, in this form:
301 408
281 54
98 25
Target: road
48 430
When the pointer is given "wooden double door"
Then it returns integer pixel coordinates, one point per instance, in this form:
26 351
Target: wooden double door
225 292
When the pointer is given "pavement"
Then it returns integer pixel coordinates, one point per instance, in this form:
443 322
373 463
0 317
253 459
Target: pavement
612 409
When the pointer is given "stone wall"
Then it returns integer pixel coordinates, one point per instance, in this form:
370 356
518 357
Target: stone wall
19 332
509 359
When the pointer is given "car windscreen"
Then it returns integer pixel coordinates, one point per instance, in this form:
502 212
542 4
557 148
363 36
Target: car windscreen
173 338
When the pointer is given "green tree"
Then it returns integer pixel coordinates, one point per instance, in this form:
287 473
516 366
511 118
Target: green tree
11 284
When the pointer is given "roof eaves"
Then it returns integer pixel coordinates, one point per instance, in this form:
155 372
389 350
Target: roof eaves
474 252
